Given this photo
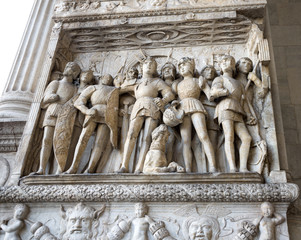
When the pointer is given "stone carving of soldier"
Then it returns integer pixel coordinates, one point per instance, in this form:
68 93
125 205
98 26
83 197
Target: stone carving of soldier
231 113
208 73
57 93
253 86
102 116
168 72
69 125
189 90
146 110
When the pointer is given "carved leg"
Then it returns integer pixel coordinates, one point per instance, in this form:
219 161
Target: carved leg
199 155
134 129
228 127
80 147
102 135
149 125
185 130
242 132
46 148
199 123
169 144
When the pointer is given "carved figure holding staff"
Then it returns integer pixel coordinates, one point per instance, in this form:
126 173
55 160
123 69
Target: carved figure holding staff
231 113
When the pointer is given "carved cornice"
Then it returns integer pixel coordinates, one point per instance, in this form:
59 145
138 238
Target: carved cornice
81 11
94 17
285 192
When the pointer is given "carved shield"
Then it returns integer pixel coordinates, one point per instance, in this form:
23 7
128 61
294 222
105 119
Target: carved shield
63 132
111 116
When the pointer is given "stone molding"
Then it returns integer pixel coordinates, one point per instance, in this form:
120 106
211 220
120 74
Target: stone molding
111 178
283 192
75 10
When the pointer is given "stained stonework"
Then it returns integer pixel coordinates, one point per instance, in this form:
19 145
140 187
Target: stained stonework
151 120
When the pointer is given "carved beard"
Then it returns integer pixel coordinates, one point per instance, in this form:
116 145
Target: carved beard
77 236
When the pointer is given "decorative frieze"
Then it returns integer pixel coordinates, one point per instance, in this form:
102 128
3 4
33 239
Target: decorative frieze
151 192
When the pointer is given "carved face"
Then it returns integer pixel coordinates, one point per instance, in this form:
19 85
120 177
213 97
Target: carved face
132 73
71 69
140 210
107 80
228 64
200 230
79 225
20 211
86 77
209 73
267 210
149 66
245 65
168 73
186 69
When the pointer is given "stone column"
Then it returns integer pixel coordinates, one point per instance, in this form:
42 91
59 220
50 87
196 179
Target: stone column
23 79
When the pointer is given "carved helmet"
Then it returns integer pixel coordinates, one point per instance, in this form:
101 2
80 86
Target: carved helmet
172 116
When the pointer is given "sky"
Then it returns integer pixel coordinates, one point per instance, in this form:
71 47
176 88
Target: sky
13 21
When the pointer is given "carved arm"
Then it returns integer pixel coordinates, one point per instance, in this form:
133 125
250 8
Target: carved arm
12 227
217 89
82 100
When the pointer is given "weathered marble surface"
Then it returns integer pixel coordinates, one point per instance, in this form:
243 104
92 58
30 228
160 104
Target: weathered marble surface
285 192
143 220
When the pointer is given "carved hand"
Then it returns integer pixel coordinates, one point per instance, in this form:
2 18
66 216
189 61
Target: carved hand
159 102
52 98
252 76
251 120
202 82
91 112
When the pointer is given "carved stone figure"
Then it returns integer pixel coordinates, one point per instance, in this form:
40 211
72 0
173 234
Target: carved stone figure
189 90
268 221
252 84
101 116
230 113
15 225
203 228
208 73
171 116
140 224
131 77
147 109
155 161
41 232
69 125
81 222
56 95
264 225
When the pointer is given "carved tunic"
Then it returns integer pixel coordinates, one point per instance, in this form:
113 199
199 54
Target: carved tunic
210 108
98 94
230 107
65 91
145 92
189 93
